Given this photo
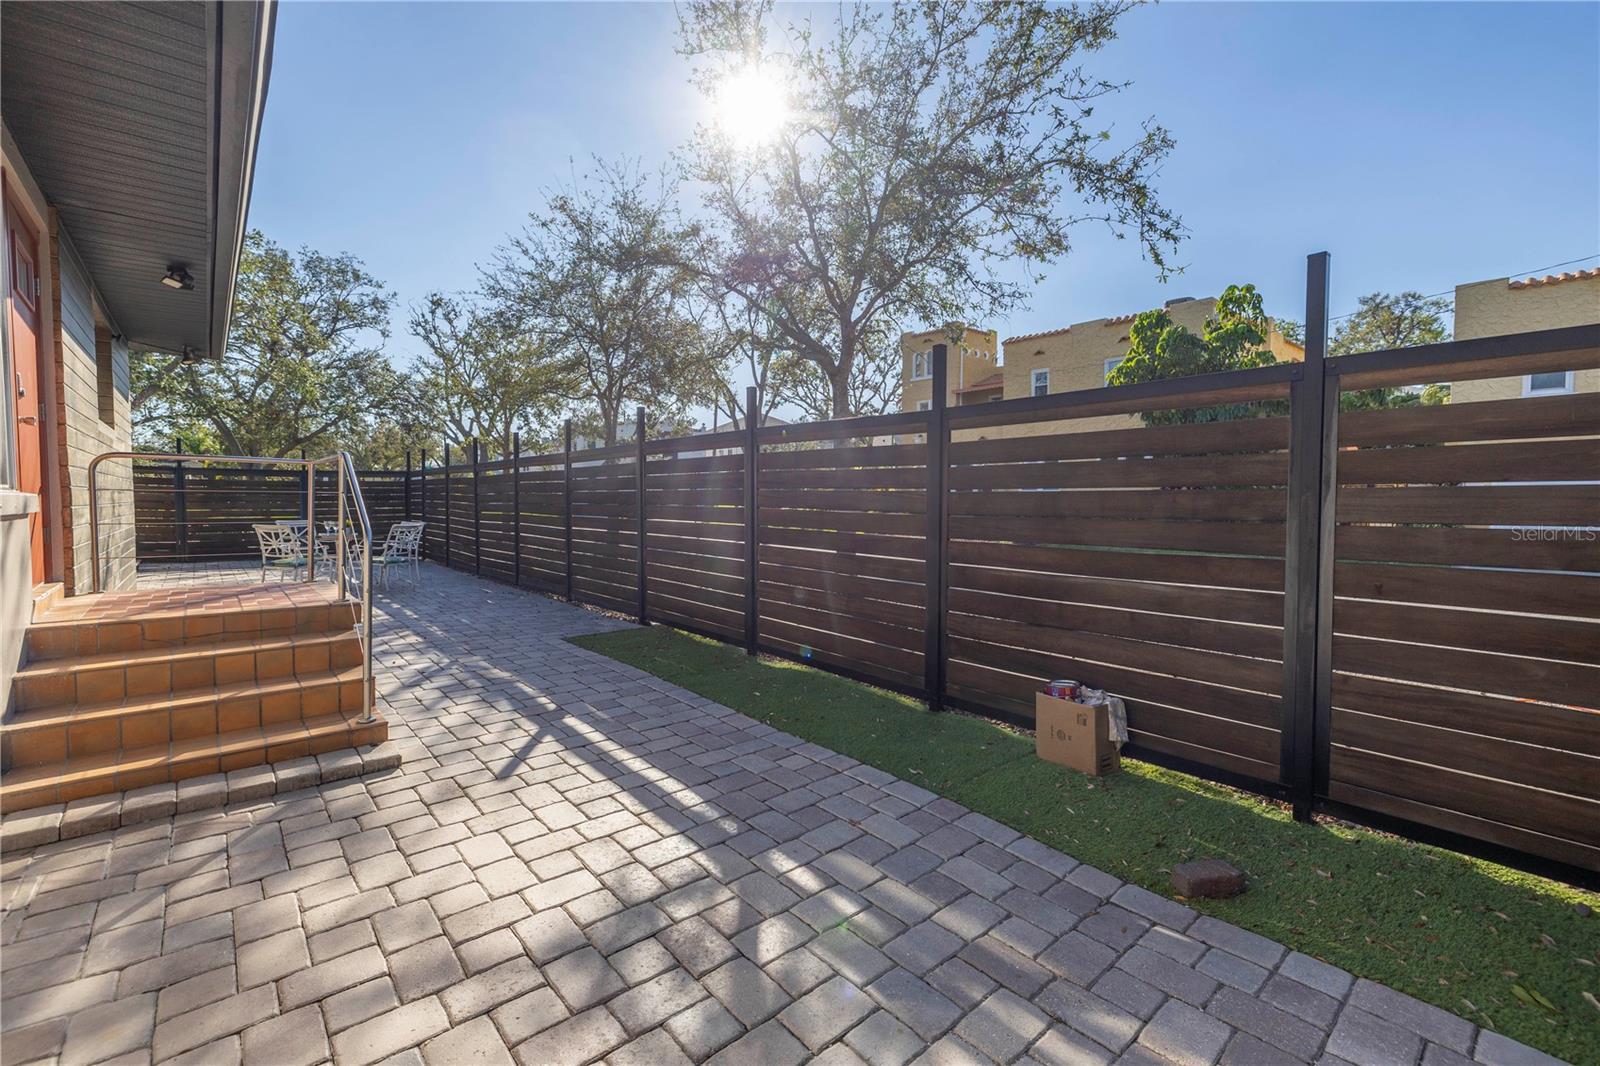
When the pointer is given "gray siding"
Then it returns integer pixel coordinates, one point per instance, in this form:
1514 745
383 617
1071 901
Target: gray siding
85 435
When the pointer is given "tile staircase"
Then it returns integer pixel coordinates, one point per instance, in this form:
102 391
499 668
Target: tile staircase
124 690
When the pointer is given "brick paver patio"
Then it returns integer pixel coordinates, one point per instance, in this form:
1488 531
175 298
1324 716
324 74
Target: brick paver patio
577 862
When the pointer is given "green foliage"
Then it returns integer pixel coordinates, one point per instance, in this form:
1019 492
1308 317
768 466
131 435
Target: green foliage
1381 322
603 276
1461 933
304 366
1234 338
482 377
1384 321
931 147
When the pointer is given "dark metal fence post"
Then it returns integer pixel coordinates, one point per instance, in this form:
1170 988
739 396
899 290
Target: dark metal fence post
516 508
180 507
752 449
933 644
446 503
566 505
405 489
422 495
638 474
477 511
1308 552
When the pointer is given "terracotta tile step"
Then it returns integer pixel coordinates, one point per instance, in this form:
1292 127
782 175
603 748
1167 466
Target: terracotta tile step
157 671
58 637
51 735
119 771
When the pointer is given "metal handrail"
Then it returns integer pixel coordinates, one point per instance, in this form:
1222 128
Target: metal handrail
346 470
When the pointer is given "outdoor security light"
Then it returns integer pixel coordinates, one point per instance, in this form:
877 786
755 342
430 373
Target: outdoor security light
178 278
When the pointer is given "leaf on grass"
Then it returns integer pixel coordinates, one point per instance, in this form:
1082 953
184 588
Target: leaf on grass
1593 1002
1532 997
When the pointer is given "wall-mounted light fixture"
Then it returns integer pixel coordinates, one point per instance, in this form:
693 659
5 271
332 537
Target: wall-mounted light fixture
178 278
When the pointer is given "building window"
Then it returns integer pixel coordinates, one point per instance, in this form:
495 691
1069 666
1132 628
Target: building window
105 374
1550 383
1041 382
924 405
921 366
1112 364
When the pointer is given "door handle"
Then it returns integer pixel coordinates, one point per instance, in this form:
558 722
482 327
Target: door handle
28 420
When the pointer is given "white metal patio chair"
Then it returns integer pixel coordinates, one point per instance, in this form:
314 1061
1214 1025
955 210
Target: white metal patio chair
283 548
401 548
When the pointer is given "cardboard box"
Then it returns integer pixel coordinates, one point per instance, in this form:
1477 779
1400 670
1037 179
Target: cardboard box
1076 735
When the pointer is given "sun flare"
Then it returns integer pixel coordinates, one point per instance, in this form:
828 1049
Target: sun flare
751 106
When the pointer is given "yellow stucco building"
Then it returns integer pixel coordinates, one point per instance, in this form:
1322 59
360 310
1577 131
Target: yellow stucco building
1074 357
977 360
1499 306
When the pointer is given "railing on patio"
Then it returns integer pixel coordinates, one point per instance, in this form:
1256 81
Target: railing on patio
1389 615
249 490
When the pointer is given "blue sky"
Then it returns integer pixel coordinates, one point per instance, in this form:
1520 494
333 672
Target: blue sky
1423 145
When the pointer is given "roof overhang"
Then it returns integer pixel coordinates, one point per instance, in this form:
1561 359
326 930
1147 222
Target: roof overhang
140 124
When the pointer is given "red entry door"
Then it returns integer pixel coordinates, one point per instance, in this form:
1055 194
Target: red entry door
22 305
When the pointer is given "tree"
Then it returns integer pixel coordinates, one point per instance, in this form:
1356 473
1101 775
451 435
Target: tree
481 377
304 366
926 146
1234 338
1384 321
603 276
386 444
741 338
873 387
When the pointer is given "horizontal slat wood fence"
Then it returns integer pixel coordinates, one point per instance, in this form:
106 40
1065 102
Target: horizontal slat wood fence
1466 698
193 511
1391 615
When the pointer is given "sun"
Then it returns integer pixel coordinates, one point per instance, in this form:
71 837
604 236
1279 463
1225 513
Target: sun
751 106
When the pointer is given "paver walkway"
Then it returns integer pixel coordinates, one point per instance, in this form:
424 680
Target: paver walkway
578 861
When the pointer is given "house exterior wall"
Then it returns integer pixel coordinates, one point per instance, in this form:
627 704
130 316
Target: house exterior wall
75 333
978 358
84 339
1492 308
16 572
1076 359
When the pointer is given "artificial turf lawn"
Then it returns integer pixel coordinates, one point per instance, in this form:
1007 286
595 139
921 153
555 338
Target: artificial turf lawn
1481 940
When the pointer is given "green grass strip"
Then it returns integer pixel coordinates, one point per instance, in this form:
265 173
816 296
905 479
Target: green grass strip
1508 950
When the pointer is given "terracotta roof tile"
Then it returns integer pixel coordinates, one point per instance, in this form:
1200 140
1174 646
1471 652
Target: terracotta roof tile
1554 279
1116 320
1035 336
993 381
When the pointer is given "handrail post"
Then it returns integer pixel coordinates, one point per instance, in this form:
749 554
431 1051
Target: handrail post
446 469
180 505
94 523
477 510
338 534
638 473
1308 554
751 450
310 469
516 508
566 506
937 436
